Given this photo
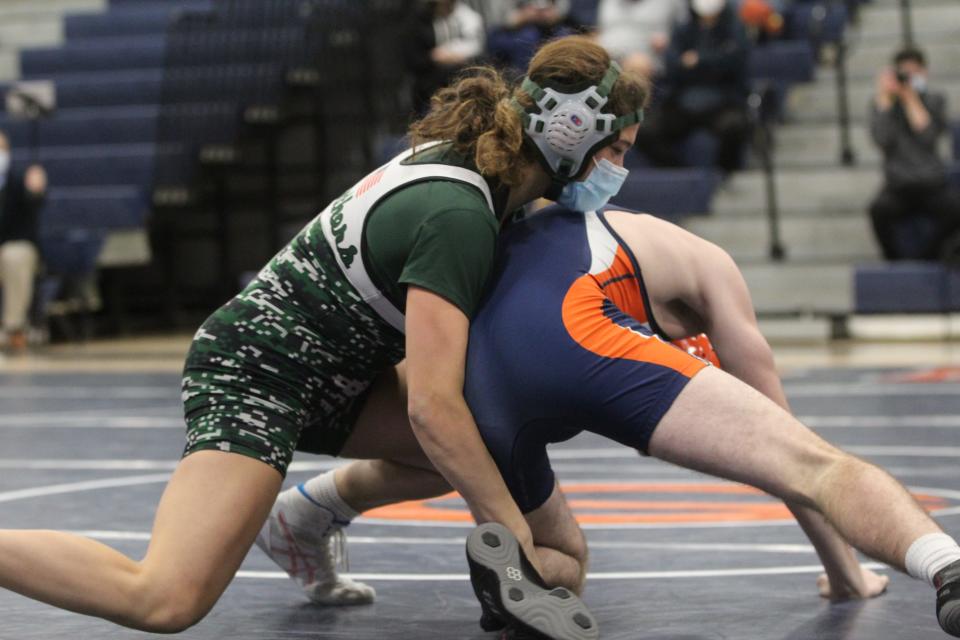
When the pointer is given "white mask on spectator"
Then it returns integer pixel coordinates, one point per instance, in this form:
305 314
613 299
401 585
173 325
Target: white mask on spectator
4 165
708 8
919 82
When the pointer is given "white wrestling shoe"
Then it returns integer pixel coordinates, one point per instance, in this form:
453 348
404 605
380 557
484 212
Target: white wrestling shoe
304 539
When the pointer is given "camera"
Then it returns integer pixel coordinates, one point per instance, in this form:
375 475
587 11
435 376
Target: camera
903 77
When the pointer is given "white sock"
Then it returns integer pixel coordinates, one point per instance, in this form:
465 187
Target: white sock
322 491
929 554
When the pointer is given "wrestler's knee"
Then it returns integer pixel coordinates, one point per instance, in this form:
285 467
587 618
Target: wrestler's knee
820 470
169 605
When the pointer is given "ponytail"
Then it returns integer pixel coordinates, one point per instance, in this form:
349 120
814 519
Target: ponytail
476 116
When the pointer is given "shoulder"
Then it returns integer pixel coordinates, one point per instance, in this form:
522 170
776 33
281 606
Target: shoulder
674 261
428 199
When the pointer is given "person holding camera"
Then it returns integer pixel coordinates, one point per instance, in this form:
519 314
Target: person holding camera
906 122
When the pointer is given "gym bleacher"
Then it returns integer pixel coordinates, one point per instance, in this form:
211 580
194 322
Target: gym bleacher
177 164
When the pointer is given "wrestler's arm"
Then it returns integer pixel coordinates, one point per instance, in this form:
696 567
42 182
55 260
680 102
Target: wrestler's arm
723 302
436 340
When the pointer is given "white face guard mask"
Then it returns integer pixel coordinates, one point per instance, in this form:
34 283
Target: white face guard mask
568 128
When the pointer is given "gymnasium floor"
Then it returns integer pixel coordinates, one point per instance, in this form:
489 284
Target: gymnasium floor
89 437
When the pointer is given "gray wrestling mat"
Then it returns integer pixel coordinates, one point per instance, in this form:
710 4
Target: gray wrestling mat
675 555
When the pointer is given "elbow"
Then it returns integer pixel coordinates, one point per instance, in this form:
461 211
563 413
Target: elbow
426 408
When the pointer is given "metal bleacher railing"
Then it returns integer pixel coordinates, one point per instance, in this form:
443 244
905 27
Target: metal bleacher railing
263 102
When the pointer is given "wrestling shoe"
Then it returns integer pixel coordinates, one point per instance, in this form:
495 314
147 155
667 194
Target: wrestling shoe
304 539
521 632
947 583
511 592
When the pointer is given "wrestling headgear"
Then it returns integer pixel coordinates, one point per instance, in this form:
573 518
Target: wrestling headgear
567 127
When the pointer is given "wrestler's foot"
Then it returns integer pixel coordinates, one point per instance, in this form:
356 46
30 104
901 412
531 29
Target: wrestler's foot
947 582
305 540
511 592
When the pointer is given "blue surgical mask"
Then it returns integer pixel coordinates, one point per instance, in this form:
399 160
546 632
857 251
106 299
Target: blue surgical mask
591 194
918 82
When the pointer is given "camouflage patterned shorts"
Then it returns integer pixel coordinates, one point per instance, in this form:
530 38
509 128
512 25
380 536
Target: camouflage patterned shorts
287 363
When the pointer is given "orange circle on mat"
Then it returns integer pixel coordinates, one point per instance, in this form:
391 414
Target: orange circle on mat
639 502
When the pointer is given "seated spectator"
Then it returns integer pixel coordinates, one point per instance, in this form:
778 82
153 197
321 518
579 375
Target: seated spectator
445 36
20 200
906 122
705 88
637 32
517 28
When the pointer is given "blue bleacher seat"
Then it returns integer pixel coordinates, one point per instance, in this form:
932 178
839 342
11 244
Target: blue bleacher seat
81 126
105 88
135 19
98 54
903 287
668 193
783 62
817 22
146 86
104 207
73 252
96 164
148 52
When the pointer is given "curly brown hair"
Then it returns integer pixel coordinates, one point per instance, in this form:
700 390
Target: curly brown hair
475 113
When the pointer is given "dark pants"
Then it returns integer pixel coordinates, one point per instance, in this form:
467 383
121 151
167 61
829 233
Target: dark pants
894 205
665 130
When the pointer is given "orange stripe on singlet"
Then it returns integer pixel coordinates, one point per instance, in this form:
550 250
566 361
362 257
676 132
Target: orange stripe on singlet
586 323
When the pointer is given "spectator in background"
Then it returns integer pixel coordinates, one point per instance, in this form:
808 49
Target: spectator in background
515 14
637 32
763 19
20 200
518 27
446 36
706 87
906 122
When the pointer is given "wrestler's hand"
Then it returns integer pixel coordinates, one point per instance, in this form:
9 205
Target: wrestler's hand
871 585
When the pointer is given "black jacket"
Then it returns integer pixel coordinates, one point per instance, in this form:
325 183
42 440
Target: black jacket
721 76
19 210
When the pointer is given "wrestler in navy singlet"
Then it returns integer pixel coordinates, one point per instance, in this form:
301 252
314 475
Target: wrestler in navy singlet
563 343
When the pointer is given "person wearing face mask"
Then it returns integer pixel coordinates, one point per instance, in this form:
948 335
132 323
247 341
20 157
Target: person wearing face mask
637 32
705 85
21 197
575 335
305 358
907 121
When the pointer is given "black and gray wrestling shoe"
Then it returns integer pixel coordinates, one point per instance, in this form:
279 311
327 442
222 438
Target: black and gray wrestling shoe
947 583
521 632
513 595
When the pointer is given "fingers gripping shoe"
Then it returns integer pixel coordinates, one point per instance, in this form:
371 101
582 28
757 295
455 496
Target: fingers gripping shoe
511 592
947 582
305 540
